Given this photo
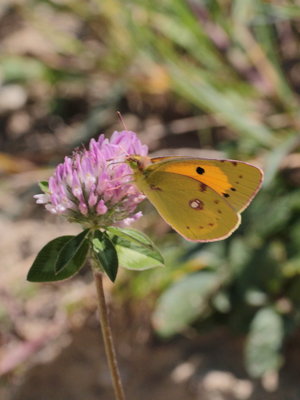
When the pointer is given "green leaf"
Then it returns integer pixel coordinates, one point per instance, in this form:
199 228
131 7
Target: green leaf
22 69
187 81
43 267
275 157
239 254
291 267
134 259
132 235
135 250
69 251
183 302
44 186
264 342
137 257
277 215
106 254
293 294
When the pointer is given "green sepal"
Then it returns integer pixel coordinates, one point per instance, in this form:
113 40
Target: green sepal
70 251
44 186
106 254
135 250
43 267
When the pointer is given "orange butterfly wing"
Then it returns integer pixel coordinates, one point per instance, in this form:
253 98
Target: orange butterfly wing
236 181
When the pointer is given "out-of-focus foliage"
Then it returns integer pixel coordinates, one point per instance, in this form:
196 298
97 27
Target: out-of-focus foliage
233 63
254 280
264 342
236 61
250 282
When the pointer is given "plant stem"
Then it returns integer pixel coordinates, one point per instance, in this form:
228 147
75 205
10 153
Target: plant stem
107 337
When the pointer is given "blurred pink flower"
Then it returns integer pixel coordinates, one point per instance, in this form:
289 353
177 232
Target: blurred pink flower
94 187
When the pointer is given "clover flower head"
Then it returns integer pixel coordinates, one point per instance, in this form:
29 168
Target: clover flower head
94 186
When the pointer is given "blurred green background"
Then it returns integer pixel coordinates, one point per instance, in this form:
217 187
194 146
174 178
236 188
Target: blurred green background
213 78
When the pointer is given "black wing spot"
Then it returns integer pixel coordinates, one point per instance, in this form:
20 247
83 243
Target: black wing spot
153 187
203 187
233 189
200 170
226 195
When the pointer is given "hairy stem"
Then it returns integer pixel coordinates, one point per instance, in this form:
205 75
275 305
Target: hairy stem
107 337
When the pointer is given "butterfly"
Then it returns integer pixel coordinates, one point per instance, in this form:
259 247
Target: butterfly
201 199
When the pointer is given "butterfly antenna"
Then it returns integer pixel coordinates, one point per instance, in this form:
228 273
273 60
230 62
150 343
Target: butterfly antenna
122 120
125 127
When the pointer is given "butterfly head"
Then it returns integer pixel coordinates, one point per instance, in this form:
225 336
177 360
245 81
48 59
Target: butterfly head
138 163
